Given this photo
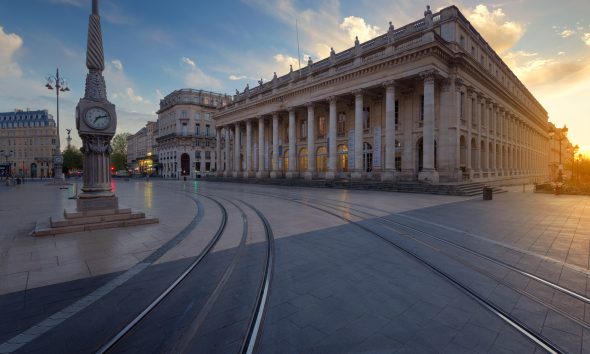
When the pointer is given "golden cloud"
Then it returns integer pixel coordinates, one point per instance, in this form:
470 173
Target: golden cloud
493 26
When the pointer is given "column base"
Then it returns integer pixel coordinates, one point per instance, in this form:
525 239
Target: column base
262 174
235 174
226 173
356 176
308 175
292 174
430 176
276 174
387 175
247 174
96 201
331 175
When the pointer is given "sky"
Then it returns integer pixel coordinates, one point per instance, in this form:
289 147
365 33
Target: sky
155 47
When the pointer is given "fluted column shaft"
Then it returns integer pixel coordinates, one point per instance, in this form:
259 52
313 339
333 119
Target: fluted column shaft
332 146
310 173
248 171
390 128
237 147
292 145
275 146
358 135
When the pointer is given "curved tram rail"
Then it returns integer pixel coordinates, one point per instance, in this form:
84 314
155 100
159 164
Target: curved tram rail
536 338
250 341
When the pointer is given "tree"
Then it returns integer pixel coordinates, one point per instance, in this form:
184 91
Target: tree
73 159
119 154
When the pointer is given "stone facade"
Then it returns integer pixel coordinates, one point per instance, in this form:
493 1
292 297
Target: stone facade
429 101
186 132
142 154
27 143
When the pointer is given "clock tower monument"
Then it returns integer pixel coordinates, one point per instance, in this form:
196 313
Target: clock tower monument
96 121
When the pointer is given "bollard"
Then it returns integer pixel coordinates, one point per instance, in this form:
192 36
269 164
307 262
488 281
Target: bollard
487 193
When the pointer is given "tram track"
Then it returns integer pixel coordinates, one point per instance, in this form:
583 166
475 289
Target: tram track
537 338
182 342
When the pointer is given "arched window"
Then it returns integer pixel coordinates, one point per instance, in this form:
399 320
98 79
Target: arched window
367 157
322 159
286 160
342 158
321 126
303 160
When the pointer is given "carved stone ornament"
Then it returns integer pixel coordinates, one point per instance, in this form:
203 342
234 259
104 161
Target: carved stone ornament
97 144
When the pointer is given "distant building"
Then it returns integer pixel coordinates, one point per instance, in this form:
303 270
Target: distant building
186 132
142 157
27 143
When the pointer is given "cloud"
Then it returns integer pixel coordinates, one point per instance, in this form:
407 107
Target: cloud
561 53
117 64
567 33
235 77
159 94
9 44
196 78
286 61
493 26
133 97
586 38
77 3
356 26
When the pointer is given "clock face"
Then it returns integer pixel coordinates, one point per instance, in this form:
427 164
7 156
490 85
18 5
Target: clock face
97 118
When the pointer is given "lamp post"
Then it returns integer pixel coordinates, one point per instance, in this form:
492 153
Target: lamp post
59 84
561 135
7 154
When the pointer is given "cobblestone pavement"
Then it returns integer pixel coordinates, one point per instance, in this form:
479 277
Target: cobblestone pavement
354 271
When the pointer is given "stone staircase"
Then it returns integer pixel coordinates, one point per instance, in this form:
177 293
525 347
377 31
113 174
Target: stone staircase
91 220
459 189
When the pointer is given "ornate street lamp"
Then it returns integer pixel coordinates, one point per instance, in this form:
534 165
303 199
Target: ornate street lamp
561 133
60 85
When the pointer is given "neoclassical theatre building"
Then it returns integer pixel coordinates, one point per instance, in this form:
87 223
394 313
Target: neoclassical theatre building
185 135
428 101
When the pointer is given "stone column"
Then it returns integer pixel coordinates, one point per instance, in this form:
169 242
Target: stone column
357 172
468 147
276 171
248 172
487 118
389 172
262 172
311 170
501 141
332 143
292 173
227 170
428 172
203 163
218 164
237 147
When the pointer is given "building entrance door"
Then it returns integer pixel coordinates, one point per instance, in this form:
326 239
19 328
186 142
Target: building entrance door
33 170
185 164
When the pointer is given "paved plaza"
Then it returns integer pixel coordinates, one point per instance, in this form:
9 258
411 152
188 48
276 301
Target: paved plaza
352 271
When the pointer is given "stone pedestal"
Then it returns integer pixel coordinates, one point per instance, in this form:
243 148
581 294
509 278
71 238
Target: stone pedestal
330 175
387 175
291 174
430 176
87 202
308 175
235 174
356 175
262 174
276 174
247 174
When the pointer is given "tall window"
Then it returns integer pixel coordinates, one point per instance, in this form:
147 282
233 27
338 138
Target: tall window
322 159
396 112
342 158
322 126
342 123
303 129
367 118
207 130
198 129
367 157
183 114
303 160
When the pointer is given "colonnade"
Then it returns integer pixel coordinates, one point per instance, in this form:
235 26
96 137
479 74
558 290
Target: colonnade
496 142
